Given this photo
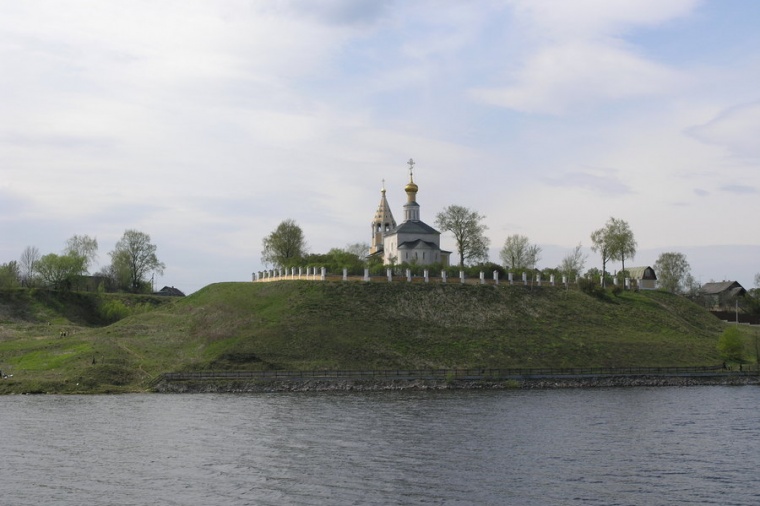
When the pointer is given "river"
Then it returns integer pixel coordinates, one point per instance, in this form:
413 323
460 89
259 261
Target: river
616 446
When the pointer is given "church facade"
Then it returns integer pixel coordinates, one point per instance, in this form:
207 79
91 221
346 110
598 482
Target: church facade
411 242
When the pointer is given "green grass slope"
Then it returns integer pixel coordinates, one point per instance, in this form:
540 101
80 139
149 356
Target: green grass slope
351 325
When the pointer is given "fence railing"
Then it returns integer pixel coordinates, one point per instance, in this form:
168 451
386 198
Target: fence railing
444 374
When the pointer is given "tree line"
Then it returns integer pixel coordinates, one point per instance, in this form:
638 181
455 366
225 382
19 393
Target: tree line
133 259
286 247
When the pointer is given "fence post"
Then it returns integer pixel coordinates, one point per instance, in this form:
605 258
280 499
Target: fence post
496 277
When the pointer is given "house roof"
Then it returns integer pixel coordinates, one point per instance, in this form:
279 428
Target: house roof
723 288
414 227
640 272
170 290
416 243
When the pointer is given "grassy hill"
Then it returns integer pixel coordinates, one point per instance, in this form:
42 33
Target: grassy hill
339 325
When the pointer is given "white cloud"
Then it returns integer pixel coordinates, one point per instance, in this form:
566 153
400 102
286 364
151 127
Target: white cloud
574 76
736 128
205 124
575 56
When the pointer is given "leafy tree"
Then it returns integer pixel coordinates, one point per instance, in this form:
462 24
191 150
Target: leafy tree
83 246
731 345
614 241
518 254
468 230
10 276
624 243
285 246
336 260
673 272
573 263
60 272
133 257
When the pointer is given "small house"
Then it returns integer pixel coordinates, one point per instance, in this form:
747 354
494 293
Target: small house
170 291
644 277
722 293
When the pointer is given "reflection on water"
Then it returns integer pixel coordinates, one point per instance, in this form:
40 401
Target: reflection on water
601 446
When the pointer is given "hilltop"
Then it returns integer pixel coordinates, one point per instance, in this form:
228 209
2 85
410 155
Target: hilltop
304 325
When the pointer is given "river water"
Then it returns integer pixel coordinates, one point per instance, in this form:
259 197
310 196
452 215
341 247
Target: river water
621 446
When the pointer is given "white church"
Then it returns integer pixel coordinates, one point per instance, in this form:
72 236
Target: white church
411 242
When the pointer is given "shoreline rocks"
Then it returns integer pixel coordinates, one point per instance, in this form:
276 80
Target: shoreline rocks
350 385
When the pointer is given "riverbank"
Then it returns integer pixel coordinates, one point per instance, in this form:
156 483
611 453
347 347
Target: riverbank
356 385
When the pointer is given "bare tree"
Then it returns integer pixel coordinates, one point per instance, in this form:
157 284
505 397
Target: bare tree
83 246
360 249
574 262
28 264
518 253
468 230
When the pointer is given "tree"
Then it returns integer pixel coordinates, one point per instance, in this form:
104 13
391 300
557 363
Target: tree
673 272
29 258
573 263
468 230
731 345
10 276
360 249
624 244
285 246
133 257
614 241
518 254
83 246
60 272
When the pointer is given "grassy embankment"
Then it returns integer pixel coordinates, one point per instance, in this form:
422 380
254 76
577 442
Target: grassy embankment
307 325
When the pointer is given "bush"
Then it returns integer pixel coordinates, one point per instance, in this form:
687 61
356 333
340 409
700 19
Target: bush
113 310
731 345
590 287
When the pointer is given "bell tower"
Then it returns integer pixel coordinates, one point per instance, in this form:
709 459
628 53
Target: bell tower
382 223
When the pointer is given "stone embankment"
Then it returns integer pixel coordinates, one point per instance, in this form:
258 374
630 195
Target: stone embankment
349 385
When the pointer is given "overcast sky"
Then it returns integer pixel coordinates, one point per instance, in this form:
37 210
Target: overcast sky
206 123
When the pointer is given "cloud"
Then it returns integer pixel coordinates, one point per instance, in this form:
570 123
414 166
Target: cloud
739 189
587 19
574 76
343 12
736 128
604 181
576 57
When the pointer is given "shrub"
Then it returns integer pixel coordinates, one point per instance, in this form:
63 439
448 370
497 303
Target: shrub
590 287
731 345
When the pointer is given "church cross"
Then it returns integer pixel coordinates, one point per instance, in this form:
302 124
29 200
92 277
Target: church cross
411 168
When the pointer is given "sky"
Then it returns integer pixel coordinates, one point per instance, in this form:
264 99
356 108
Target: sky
205 124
